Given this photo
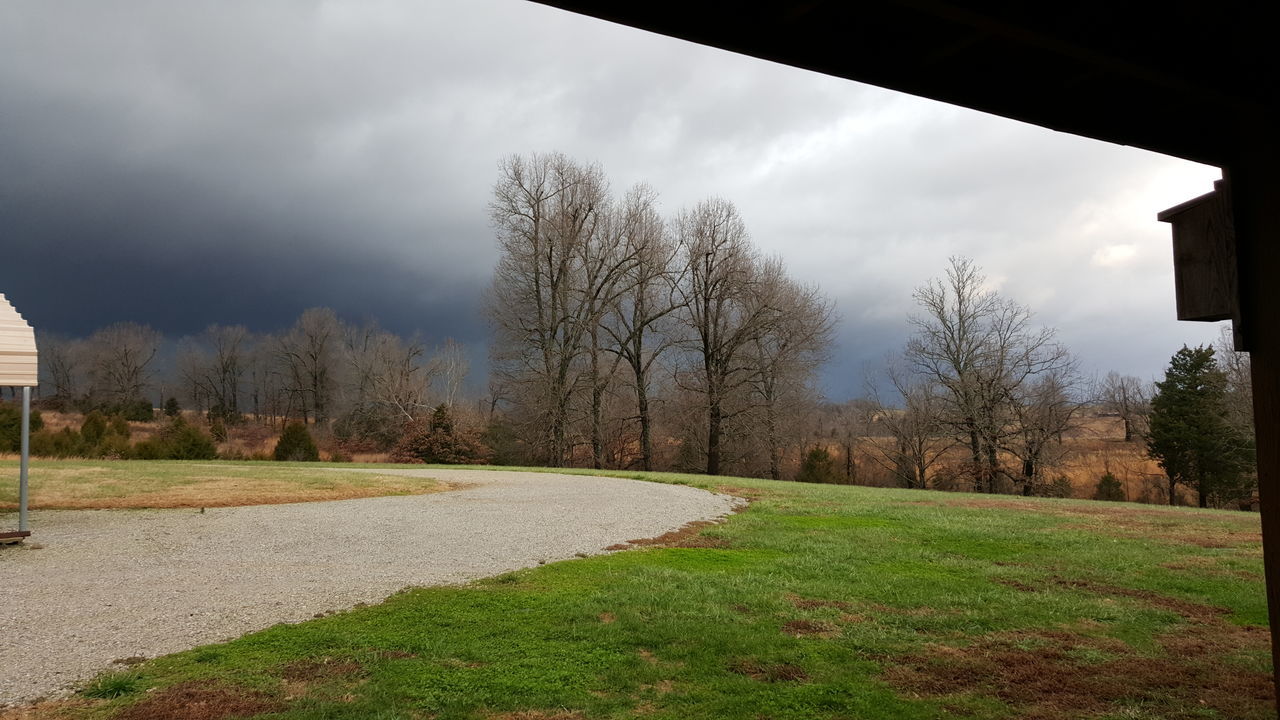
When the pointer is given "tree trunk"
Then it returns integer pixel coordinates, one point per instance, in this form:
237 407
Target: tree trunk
1128 430
646 432
714 420
775 459
1173 491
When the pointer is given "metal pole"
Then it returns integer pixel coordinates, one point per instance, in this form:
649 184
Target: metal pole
26 456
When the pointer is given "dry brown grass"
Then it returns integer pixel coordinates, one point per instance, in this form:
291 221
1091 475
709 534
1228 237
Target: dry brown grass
159 484
1067 673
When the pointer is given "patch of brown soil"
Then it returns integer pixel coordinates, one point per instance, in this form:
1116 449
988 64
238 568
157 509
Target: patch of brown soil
1199 536
647 656
1195 612
197 700
748 494
804 603
806 628
322 669
536 715
1015 584
688 536
767 672
1042 675
1045 675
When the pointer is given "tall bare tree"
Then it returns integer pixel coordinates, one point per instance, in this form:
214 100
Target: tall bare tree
62 359
1127 397
450 360
308 355
547 210
723 308
785 356
119 358
1045 409
919 436
982 351
637 319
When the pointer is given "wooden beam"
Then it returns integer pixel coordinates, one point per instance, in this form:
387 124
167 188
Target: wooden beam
1255 190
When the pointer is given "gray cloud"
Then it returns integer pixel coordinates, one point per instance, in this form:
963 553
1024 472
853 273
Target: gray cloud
187 163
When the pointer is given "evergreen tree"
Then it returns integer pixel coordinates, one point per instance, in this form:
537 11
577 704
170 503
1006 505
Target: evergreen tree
1109 488
1190 434
818 467
296 444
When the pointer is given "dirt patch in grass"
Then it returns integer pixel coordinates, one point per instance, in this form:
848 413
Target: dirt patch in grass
1016 584
1192 611
1043 676
1054 675
608 618
809 628
1209 566
687 536
537 715
768 672
200 701
748 494
321 669
804 603
1199 536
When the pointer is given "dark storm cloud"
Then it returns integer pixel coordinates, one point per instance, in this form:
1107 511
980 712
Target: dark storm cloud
188 163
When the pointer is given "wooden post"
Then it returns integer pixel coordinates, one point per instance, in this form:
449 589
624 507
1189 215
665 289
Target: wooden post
1255 188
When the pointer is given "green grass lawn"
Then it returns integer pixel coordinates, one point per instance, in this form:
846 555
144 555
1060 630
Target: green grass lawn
816 602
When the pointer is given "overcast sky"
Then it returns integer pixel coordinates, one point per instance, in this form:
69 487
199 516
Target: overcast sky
186 163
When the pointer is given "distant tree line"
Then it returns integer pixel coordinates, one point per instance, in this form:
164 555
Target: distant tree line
625 339
983 400
360 382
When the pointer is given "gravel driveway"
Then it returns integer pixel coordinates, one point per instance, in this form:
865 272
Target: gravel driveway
111 584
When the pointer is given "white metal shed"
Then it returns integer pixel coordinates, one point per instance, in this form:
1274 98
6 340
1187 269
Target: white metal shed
19 367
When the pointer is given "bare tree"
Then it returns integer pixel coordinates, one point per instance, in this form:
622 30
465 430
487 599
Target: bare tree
546 210
451 362
785 356
1239 396
1127 397
918 433
308 356
1045 409
722 307
119 358
62 359
981 351
636 319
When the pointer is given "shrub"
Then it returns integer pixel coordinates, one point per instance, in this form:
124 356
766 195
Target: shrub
188 442
11 427
296 444
119 426
177 441
1109 488
64 443
438 441
172 408
93 428
818 467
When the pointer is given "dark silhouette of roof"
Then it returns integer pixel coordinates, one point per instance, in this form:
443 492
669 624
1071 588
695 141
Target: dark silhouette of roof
1176 77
